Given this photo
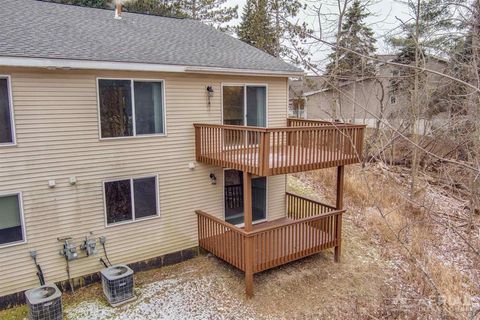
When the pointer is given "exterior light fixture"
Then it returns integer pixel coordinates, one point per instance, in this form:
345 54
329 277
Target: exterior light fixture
209 94
210 91
213 179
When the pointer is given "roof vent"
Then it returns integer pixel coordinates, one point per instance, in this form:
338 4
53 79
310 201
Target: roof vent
118 9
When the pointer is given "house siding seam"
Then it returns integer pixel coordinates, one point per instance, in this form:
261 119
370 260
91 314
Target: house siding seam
57 127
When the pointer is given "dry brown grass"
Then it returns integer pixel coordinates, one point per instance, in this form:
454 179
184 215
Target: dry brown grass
408 236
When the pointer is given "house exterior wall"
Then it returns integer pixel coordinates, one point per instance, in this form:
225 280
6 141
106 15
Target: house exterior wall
57 134
371 97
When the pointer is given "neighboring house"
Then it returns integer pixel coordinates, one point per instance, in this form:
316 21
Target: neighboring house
97 138
362 101
297 88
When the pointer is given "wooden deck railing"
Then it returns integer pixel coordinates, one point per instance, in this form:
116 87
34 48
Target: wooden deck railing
272 151
299 207
221 238
299 122
311 228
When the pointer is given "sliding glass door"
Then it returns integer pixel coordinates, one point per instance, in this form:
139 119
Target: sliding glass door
256 107
245 105
233 194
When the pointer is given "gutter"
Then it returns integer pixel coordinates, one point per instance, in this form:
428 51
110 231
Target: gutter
67 64
250 72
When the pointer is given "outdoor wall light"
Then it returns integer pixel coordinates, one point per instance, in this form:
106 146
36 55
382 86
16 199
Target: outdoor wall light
210 91
209 94
213 179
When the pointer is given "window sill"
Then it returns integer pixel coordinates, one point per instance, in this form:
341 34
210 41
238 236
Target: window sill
163 135
122 223
8 145
12 244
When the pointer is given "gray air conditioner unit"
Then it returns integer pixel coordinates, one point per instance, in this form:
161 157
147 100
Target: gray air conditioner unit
117 283
44 303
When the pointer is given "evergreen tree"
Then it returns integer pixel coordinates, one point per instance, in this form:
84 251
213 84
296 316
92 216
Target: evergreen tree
165 8
211 12
358 37
256 26
281 11
407 55
421 37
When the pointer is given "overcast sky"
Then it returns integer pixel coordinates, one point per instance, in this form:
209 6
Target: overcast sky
383 20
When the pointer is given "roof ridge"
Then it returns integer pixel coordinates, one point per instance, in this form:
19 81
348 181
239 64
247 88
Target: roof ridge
52 2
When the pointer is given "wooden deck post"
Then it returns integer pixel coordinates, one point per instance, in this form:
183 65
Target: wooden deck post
249 245
197 143
339 206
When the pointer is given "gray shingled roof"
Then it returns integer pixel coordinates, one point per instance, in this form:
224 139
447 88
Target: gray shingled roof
37 29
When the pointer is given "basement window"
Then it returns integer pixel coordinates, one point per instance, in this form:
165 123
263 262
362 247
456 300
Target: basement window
132 199
131 107
12 229
7 136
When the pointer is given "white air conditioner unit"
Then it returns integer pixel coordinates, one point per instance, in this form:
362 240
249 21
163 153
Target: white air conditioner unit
117 283
44 303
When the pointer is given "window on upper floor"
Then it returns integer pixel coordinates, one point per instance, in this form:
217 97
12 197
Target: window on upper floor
6 113
131 199
11 220
131 108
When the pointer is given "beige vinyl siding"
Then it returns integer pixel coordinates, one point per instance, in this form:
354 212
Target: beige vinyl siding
57 130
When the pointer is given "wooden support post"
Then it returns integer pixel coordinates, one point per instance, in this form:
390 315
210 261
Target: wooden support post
197 143
247 200
249 266
266 154
339 206
249 245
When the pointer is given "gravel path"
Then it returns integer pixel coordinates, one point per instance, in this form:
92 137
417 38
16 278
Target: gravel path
182 297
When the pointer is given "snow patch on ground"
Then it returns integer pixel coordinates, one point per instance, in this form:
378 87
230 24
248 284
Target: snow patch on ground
175 298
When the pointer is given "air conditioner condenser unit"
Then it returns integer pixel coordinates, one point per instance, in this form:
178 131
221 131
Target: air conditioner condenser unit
44 303
117 283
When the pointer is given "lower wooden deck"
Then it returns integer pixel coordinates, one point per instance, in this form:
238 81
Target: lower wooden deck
269 249
308 228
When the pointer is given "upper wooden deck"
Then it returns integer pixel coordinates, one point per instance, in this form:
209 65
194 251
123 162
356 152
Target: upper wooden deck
301 146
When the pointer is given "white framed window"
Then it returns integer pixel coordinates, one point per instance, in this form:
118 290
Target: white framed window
131 107
131 199
7 123
12 224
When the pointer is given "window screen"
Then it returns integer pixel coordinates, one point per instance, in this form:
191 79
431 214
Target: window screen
131 108
115 108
